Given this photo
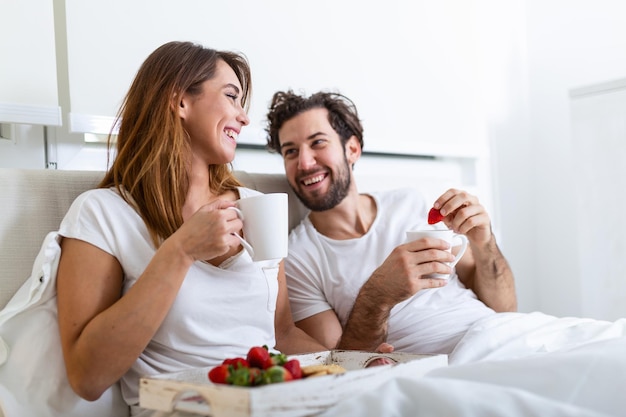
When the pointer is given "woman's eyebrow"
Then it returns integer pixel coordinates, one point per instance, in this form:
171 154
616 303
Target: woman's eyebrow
231 85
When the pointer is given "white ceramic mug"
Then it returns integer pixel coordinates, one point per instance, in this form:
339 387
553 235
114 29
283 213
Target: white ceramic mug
265 225
443 234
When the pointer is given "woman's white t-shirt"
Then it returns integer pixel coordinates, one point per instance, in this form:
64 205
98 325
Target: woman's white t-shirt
219 312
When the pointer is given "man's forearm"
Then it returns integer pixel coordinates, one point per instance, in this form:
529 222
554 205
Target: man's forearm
493 282
367 324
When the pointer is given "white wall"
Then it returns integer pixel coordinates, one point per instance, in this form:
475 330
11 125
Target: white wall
411 73
28 70
503 40
28 78
22 146
571 44
598 117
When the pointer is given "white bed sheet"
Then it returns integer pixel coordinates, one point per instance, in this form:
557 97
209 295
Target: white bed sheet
514 365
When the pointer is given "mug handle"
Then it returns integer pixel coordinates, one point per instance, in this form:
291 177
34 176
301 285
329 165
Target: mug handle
244 243
461 252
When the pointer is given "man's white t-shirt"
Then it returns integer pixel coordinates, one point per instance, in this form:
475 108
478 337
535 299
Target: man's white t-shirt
219 312
325 274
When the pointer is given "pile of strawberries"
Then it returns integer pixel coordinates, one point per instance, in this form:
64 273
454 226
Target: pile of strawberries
259 367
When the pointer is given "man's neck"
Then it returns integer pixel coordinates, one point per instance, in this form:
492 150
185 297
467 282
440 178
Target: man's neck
350 219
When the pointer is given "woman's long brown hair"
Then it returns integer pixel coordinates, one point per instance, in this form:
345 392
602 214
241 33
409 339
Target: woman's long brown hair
153 154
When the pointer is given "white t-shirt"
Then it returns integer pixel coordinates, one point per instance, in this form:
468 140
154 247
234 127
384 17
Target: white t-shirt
325 274
219 312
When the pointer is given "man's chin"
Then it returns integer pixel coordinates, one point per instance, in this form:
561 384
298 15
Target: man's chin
319 206
312 203
322 203
318 200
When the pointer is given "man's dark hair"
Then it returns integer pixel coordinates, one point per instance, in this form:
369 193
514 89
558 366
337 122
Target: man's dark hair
342 114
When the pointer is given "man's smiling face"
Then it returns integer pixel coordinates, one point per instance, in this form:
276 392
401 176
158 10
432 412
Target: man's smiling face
315 160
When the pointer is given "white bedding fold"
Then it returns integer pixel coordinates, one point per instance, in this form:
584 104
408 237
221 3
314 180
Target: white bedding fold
515 335
442 397
514 365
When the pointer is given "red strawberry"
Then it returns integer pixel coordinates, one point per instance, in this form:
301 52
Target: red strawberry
256 376
259 357
240 376
293 366
236 362
434 216
278 358
219 374
276 373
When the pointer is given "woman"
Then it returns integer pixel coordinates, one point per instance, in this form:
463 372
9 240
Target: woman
151 277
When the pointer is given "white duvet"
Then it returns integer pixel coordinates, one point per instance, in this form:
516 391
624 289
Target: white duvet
509 364
514 365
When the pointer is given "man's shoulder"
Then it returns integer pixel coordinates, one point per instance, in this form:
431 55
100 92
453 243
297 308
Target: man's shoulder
400 195
305 244
302 232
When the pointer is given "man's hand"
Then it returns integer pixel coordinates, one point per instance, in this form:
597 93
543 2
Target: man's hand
398 278
381 360
483 268
384 348
402 274
465 215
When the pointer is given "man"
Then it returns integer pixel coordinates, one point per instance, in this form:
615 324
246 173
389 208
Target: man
353 281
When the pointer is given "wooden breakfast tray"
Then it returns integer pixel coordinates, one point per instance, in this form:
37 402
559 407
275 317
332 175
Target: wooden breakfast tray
191 390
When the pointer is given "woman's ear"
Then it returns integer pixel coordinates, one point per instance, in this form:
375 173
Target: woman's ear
179 105
353 150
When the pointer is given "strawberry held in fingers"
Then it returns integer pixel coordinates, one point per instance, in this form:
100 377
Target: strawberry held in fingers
434 216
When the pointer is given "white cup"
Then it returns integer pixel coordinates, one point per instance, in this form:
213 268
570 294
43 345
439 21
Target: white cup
443 234
265 225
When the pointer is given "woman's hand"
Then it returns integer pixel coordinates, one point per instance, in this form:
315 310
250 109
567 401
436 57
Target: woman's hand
209 232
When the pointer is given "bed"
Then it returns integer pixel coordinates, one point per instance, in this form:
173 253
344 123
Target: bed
511 364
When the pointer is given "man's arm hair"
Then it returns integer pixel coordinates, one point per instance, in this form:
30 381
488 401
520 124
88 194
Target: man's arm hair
486 271
367 323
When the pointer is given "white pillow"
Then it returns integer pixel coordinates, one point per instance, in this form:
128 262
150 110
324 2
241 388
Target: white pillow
33 380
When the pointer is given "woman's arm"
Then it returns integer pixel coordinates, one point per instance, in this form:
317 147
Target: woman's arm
103 333
289 338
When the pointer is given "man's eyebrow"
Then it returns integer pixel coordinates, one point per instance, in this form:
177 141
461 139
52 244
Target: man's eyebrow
310 137
286 144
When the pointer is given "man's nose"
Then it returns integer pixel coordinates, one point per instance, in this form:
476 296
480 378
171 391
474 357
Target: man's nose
306 159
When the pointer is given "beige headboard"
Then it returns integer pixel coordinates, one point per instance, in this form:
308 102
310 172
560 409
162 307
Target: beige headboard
33 203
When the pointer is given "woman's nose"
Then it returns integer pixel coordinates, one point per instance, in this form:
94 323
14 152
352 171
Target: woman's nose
243 118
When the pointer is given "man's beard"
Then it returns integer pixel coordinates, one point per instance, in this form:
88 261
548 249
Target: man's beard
337 191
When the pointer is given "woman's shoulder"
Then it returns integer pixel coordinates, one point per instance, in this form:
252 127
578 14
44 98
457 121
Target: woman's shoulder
106 201
99 195
247 192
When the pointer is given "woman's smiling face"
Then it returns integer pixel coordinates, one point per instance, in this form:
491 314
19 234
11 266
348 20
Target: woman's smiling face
214 118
